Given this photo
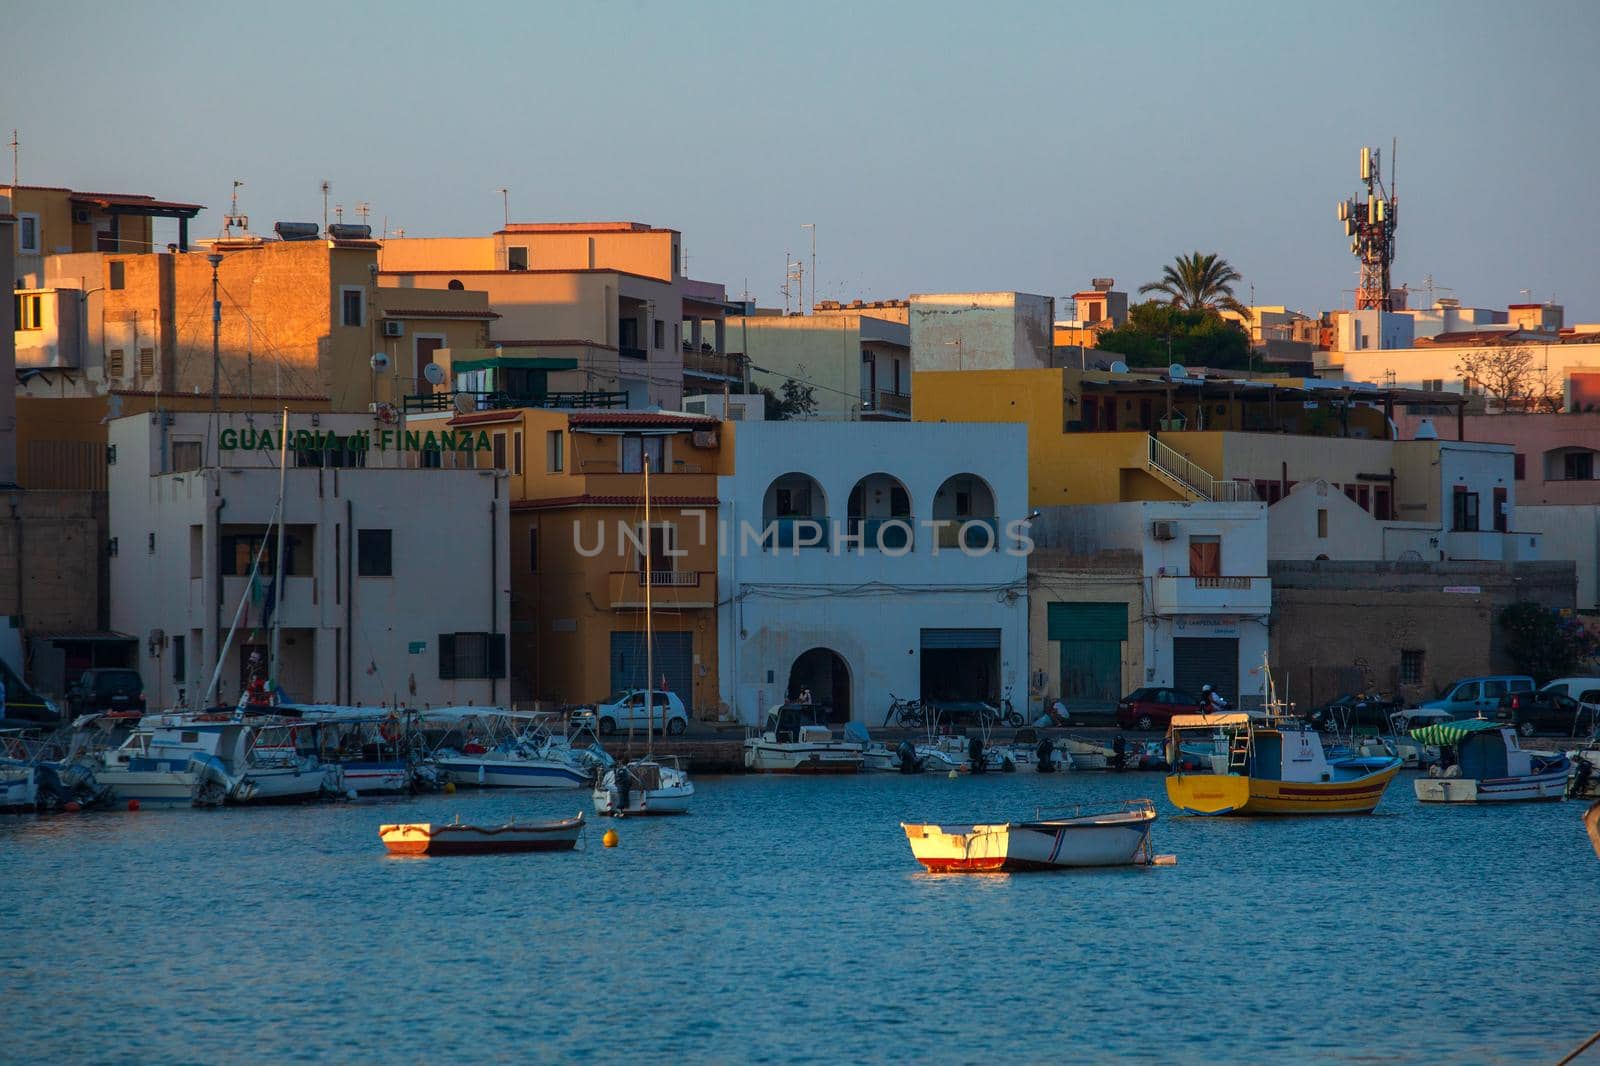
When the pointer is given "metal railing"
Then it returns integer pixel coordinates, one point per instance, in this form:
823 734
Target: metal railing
1195 479
463 399
714 364
885 402
1222 582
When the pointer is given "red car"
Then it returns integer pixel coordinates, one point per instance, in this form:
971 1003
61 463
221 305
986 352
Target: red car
1147 709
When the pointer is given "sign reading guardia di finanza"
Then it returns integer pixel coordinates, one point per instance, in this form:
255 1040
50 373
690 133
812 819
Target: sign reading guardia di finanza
384 440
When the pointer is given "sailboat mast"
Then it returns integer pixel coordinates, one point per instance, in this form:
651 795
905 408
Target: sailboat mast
277 570
649 650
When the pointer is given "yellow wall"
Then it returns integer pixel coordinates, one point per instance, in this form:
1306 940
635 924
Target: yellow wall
59 234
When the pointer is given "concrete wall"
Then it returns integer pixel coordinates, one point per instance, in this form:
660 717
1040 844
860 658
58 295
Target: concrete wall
52 555
1569 533
869 607
825 351
981 331
1341 627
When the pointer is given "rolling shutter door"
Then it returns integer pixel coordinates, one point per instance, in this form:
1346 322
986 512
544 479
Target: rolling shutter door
933 639
1088 621
1213 661
674 658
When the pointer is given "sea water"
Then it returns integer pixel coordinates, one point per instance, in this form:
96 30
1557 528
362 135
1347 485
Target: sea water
786 920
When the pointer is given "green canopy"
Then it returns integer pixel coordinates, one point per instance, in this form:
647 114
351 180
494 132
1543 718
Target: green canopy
1454 732
514 362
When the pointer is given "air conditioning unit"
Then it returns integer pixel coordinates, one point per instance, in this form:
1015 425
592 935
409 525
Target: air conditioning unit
393 327
1162 531
81 216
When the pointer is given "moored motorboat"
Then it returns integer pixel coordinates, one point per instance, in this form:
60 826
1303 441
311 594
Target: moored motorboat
457 838
651 785
492 748
1486 764
796 740
1118 837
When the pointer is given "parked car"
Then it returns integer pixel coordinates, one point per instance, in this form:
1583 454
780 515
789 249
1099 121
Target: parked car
1358 712
627 710
1478 697
1152 708
1408 718
1582 689
105 690
1547 711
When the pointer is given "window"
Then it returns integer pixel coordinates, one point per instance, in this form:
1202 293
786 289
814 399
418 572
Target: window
1519 464
555 451
30 311
179 667
1501 511
1322 523
636 449
471 656
114 363
516 452
1383 503
1493 690
1205 556
1576 466
1467 693
352 304
1464 513
455 285
1432 385
662 541
185 455
147 362
117 278
660 333
533 549
1411 666
499 451
28 236
374 553
517 257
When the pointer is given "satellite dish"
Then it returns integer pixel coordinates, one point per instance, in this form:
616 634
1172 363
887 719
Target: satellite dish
465 403
1119 367
380 362
1176 370
434 373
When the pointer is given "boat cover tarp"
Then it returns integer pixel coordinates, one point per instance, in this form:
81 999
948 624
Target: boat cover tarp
1453 732
1208 721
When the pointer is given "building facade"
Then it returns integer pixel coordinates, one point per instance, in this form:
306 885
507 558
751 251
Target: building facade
842 568
383 600
981 331
857 365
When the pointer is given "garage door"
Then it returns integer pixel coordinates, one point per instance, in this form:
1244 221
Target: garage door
1213 661
1091 638
960 638
674 657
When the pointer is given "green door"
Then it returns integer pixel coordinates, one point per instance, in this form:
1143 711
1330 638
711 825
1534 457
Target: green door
1091 637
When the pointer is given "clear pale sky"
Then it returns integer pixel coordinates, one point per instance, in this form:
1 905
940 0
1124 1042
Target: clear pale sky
937 146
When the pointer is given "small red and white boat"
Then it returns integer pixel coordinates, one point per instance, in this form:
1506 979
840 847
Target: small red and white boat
454 838
1116 838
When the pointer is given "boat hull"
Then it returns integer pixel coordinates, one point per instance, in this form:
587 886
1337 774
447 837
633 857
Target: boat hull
1112 840
1547 786
773 758
1220 794
377 778
530 773
283 784
424 838
19 791
645 801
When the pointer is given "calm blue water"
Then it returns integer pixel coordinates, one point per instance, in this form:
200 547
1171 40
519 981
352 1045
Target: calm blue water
786 920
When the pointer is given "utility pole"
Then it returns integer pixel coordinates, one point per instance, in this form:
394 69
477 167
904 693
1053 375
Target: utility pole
505 204
16 165
215 259
327 187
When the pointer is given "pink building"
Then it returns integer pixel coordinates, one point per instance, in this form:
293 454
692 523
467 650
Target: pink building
1558 455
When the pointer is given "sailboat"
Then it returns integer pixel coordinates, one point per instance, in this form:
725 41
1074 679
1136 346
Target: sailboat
648 785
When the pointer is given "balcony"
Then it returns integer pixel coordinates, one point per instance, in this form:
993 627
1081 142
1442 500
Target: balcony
954 534
628 351
669 589
799 532
887 533
1182 594
881 403
464 401
299 609
713 365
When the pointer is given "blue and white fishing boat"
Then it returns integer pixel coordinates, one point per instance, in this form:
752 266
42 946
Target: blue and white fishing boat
488 747
1487 765
135 768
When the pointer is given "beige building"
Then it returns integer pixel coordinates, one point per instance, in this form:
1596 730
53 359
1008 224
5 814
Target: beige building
610 295
857 362
982 331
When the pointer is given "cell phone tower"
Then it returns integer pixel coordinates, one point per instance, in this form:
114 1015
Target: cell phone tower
1370 225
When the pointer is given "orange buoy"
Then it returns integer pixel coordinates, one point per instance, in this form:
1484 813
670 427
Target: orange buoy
610 839
133 805
72 807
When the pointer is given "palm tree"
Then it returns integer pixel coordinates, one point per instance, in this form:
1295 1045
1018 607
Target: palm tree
1200 282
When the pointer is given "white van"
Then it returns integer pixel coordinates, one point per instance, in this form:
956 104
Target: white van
1583 689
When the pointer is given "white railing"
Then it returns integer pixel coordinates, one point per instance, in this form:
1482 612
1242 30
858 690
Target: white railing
1195 479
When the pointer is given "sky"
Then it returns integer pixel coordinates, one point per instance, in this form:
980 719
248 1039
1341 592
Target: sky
935 146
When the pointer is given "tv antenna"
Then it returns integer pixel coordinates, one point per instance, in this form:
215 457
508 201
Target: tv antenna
363 208
327 187
233 219
505 204
16 157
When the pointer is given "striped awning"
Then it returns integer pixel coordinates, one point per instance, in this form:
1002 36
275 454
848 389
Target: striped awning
1453 732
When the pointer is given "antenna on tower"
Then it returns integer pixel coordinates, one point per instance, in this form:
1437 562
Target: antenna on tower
1370 225
233 219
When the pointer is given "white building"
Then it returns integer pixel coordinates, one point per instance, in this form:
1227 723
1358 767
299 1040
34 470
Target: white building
982 331
1201 611
395 583
841 569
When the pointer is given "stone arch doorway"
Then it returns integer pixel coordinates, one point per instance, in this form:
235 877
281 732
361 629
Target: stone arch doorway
827 675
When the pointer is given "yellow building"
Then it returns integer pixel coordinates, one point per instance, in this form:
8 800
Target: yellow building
1103 437
576 484
58 221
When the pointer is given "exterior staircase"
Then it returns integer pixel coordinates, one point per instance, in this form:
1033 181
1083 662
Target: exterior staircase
1194 483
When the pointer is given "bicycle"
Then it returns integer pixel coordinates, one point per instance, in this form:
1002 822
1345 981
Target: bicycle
904 712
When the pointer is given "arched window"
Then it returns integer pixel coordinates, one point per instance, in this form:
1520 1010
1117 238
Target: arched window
795 510
966 502
880 514
455 285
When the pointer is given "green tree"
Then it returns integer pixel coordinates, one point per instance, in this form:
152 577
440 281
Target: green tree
1544 643
792 400
1199 281
1157 334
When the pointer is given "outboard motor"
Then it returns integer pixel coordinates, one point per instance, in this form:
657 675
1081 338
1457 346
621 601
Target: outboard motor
1119 749
906 754
975 754
1046 752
